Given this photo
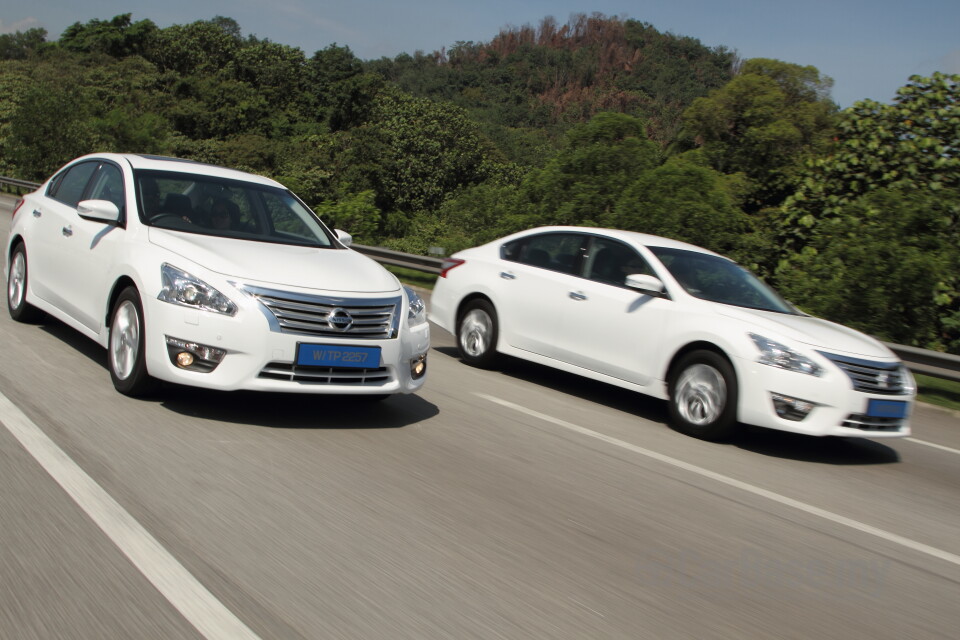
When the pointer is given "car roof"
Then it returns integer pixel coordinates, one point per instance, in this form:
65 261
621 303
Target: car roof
180 165
630 237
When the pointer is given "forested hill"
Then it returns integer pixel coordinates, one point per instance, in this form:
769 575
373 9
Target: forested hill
855 215
554 75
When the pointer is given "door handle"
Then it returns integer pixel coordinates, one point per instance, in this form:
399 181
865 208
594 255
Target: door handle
507 276
67 231
36 213
576 295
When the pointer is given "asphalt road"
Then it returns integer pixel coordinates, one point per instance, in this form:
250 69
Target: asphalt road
518 503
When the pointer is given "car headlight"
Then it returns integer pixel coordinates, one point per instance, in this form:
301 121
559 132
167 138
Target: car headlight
179 287
417 310
777 355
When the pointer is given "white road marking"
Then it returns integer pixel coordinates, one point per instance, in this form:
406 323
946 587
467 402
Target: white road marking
940 554
200 608
935 446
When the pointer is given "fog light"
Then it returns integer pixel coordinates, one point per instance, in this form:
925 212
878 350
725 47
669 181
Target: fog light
789 408
418 367
193 356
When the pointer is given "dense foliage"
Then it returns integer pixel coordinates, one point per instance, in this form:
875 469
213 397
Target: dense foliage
600 121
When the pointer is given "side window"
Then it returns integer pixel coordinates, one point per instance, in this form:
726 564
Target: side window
554 251
108 185
511 250
69 189
610 262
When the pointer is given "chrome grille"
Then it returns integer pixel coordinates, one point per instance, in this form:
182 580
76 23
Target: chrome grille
325 375
868 376
329 316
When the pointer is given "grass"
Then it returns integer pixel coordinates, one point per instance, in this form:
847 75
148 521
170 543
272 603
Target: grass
943 393
413 277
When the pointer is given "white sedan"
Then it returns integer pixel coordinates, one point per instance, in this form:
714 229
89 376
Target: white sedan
210 277
673 321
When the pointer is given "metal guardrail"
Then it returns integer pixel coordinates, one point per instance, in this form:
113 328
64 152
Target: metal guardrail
19 184
396 258
931 363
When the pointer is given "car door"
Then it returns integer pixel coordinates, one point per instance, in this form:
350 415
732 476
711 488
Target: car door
537 275
90 249
608 327
53 214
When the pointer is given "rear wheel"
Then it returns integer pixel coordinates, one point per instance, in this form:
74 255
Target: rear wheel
126 352
703 396
20 309
477 334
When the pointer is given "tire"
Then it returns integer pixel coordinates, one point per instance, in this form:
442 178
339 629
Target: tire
477 334
126 352
20 310
703 396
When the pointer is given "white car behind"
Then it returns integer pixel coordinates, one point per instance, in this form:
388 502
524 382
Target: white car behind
673 321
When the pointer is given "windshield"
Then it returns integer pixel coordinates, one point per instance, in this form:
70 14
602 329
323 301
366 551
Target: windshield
720 280
227 208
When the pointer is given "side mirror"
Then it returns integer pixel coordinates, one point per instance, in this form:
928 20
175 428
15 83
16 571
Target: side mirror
98 210
649 285
345 238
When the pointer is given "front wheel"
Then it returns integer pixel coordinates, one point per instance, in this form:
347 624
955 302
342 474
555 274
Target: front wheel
20 310
703 396
126 350
477 334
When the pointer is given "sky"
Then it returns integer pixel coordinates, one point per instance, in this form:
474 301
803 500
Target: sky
870 48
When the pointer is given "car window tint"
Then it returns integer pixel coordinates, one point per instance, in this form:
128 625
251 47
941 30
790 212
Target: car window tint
610 262
553 251
70 188
718 279
216 206
108 185
287 217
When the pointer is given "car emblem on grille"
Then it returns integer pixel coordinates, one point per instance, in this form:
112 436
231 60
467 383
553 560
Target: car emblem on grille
339 319
883 380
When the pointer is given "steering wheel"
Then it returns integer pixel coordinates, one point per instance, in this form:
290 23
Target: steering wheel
164 216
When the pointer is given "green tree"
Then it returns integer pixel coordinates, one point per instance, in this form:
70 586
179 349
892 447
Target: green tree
205 46
763 123
21 45
357 214
583 182
117 37
887 263
430 150
50 127
686 200
914 143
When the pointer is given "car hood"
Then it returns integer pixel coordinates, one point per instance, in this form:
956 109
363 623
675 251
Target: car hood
817 333
279 264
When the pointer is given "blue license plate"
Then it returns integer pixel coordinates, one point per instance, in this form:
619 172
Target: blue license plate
326 355
887 409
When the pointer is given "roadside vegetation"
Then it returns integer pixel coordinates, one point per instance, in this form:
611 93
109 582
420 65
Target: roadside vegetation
944 393
853 214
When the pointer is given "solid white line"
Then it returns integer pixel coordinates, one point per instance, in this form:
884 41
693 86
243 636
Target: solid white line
210 617
935 446
940 554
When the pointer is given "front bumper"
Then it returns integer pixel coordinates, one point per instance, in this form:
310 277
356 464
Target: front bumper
259 358
838 409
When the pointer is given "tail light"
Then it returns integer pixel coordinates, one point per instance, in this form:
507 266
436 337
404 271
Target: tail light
449 263
16 208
